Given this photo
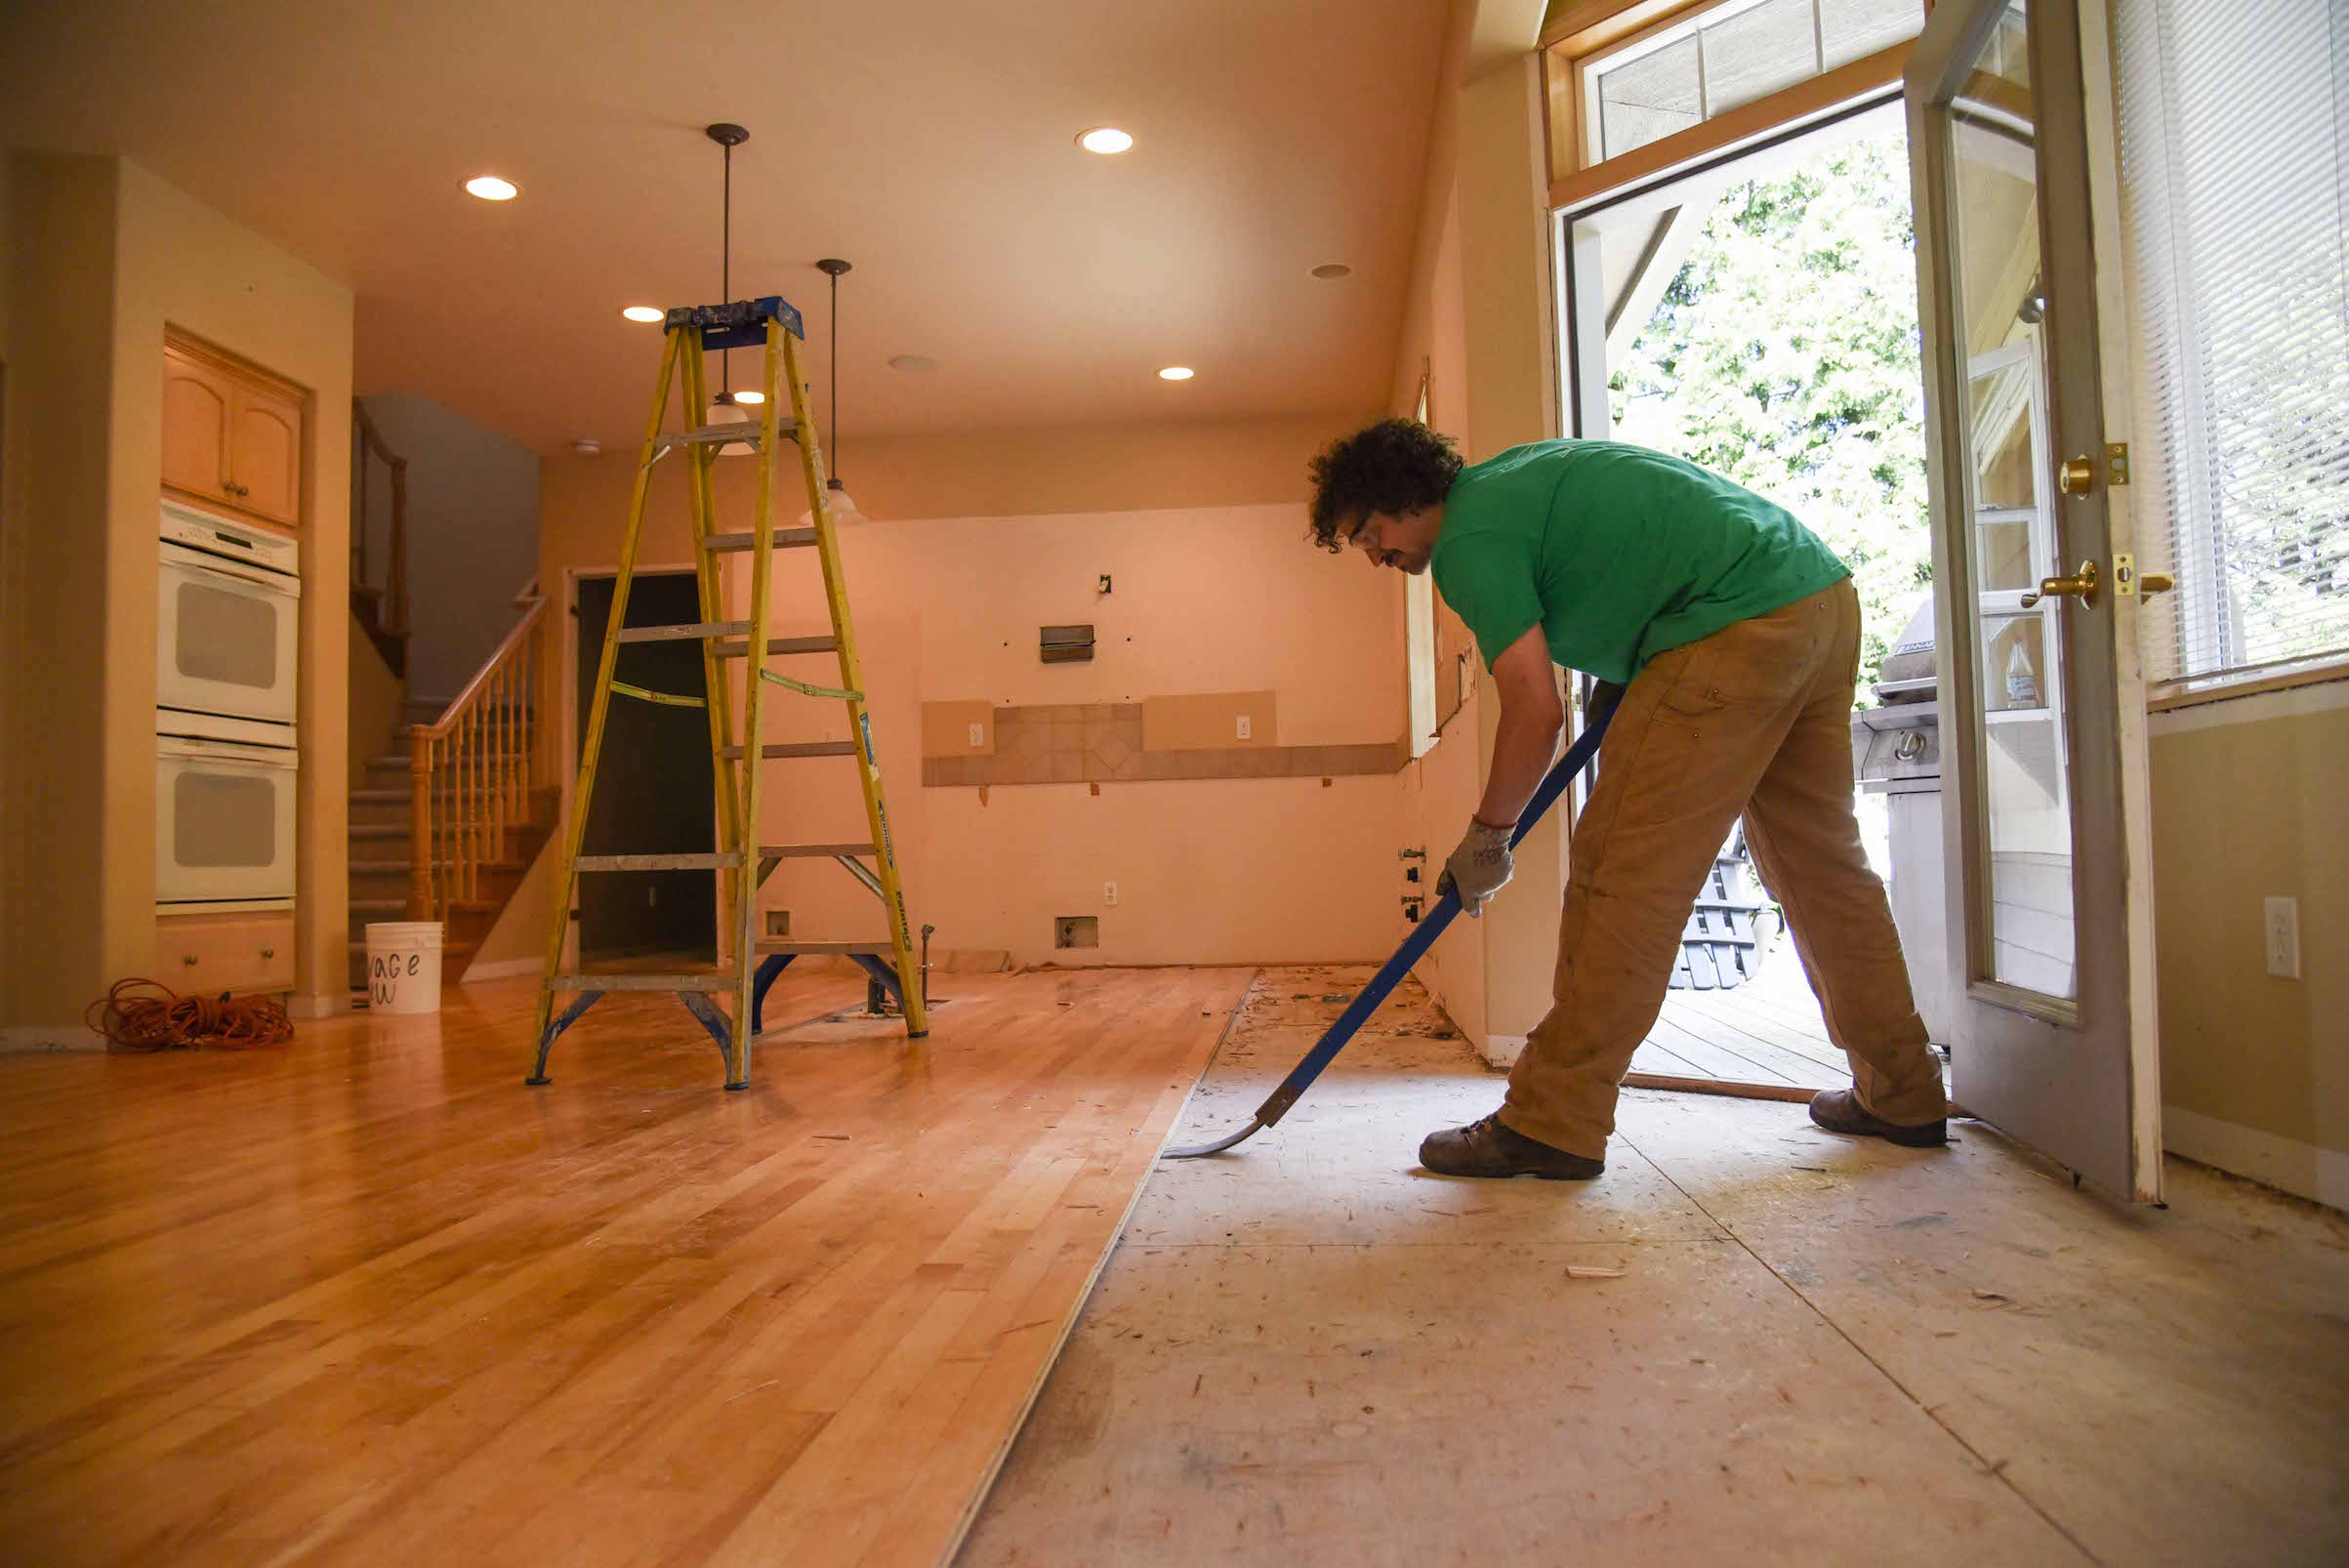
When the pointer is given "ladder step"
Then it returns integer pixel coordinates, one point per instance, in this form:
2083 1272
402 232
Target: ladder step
746 431
719 544
684 632
721 860
798 748
778 645
794 851
787 944
700 980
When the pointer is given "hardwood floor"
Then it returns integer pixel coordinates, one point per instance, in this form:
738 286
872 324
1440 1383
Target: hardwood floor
368 1298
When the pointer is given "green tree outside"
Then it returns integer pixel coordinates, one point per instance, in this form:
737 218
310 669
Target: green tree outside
1785 357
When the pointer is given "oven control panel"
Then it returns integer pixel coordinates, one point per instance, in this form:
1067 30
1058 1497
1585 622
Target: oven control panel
233 541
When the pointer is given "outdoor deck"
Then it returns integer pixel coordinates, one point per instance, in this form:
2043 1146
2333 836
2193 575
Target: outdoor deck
1767 1032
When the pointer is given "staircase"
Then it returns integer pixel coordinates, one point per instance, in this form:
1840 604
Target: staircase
456 851
383 813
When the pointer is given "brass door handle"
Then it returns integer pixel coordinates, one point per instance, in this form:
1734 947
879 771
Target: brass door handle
2080 585
2077 476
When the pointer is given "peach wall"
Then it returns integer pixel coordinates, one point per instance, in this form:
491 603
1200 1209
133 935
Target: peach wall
1477 317
1206 599
1202 530
2247 807
54 547
182 264
104 256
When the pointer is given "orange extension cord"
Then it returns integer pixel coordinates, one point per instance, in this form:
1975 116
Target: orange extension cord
134 1020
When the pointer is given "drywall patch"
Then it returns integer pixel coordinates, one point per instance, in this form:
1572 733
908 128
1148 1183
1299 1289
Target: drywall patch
1213 720
958 729
1105 743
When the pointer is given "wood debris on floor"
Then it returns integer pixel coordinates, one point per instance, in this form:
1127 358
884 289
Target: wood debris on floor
1818 1348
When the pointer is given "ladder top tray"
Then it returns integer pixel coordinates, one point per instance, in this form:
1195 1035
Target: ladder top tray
739 325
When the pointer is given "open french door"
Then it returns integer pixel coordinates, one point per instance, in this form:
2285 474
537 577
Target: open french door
2047 833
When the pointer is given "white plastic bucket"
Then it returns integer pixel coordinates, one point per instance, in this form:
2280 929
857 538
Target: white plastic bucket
403 966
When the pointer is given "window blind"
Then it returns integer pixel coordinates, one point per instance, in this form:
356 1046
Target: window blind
2234 118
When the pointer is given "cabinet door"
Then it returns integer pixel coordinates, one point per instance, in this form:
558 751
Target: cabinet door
196 398
264 452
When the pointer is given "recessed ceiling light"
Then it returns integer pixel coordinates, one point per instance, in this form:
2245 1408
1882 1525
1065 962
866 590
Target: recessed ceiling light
586 447
912 361
1104 139
1333 270
1176 373
490 188
641 313
750 398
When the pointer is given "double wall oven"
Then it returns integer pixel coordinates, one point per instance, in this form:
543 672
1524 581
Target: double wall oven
228 635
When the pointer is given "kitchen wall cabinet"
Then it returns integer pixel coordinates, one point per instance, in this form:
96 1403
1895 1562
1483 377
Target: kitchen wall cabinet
231 436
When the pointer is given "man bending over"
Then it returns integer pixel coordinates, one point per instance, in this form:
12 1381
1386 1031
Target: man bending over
1734 634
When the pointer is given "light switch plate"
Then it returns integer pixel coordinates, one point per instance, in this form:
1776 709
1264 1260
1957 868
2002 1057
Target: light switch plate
978 735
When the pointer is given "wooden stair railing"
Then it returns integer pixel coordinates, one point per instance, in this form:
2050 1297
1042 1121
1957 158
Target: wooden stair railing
385 612
477 770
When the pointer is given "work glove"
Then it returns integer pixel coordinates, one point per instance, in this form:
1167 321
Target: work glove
1478 868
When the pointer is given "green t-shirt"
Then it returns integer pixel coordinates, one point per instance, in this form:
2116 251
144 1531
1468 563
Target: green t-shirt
1616 552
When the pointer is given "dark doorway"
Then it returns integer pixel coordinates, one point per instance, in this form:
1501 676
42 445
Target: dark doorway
654 794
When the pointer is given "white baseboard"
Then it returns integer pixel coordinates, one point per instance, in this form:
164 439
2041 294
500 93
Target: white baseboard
30 1037
505 969
2301 1168
1502 1050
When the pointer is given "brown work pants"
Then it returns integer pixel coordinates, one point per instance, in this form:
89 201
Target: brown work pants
1756 718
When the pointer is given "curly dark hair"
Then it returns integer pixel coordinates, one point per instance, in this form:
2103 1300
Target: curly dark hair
1394 466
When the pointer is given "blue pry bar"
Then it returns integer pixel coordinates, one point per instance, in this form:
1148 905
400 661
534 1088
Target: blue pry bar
739 325
1440 914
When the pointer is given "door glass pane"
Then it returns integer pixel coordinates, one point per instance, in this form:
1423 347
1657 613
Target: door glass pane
225 636
1995 229
1652 97
224 819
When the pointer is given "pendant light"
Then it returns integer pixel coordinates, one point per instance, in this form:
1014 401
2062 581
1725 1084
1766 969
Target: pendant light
724 409
837 498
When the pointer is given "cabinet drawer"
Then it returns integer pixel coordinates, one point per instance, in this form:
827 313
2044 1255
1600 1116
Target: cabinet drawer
205 955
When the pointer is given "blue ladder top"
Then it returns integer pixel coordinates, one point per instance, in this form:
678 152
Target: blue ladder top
739 325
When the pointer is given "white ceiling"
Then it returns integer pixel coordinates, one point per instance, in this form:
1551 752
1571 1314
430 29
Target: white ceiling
930 143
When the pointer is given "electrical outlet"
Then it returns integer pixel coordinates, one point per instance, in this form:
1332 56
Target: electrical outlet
1110 894
1248 728
978 735
2283 939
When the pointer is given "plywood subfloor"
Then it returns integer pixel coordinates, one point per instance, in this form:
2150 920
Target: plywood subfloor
370 1300
1817 1350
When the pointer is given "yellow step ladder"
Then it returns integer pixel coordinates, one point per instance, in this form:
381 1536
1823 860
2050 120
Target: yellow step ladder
691 333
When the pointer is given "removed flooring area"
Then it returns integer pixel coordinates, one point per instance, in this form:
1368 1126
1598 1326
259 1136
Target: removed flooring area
367 1298
1750 1341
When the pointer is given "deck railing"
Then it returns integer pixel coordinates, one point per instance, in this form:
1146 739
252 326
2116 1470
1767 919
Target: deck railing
475 769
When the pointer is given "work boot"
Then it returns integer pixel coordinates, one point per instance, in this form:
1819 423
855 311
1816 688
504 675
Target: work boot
1487 1148
1839 1110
